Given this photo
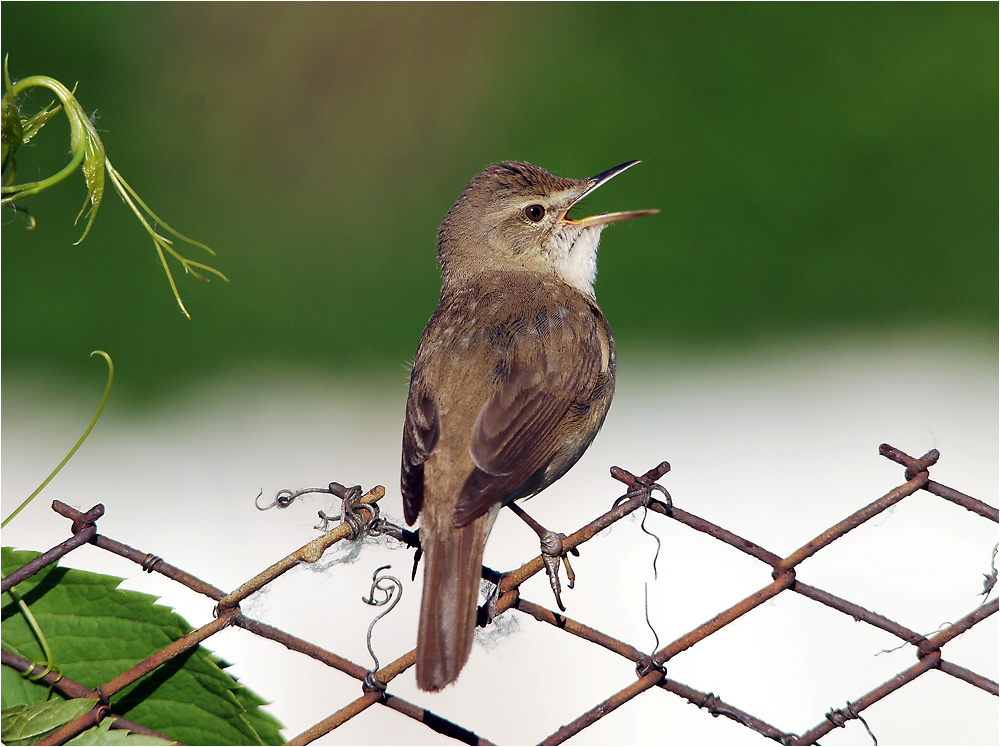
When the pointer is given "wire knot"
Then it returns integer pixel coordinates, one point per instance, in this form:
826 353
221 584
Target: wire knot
372 685
646 664
88 519
351 511
643 484
351 514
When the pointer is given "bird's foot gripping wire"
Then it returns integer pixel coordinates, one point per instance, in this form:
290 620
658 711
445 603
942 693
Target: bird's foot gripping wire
552 552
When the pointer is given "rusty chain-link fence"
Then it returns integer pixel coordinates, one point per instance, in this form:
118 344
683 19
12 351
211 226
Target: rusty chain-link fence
360 515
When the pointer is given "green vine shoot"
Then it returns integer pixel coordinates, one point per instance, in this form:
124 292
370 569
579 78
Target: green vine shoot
89 155
79 442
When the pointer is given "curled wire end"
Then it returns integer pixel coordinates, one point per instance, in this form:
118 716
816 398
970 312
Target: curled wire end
285 497
256 502
392 591
388 585
325 520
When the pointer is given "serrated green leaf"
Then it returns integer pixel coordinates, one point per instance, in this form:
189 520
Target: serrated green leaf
268 727
27 724
103 734
97 631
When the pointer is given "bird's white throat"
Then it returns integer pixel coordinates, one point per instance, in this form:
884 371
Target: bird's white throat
575 258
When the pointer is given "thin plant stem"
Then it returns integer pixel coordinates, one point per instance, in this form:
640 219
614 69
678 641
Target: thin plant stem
90 427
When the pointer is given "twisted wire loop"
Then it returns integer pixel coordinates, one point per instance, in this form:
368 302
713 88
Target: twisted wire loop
716 707
352 510
392 591
149 562
645 485
840 716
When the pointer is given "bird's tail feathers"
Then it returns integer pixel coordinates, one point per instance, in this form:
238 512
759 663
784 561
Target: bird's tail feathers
454 559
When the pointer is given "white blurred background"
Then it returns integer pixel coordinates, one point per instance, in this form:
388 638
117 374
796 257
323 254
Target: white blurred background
775 445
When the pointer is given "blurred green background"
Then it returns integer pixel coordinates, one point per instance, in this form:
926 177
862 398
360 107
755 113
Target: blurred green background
821 170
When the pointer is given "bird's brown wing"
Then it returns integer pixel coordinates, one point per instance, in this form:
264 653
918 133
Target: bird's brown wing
522 426
420 434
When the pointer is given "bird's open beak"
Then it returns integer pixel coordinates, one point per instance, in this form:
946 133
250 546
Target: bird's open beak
600 220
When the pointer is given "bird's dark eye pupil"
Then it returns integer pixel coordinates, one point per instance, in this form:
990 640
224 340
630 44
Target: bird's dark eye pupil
534 213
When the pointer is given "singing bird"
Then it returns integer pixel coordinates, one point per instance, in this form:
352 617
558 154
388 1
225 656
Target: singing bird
511 382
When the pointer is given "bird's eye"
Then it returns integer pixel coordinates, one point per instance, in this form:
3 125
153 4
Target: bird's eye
534 213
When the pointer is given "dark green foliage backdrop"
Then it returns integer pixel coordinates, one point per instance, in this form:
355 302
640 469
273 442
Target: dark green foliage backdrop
820 169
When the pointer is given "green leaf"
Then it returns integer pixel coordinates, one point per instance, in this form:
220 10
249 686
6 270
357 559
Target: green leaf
96 632
23 724
103 734
16 689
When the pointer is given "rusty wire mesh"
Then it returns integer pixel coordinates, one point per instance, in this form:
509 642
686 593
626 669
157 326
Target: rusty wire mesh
361 516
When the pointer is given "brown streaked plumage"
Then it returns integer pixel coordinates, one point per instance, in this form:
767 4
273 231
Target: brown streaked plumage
512 380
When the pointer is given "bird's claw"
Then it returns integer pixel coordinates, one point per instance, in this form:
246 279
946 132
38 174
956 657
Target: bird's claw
552 552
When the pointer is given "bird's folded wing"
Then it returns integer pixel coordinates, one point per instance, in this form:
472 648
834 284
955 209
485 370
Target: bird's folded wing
420 434
520 428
